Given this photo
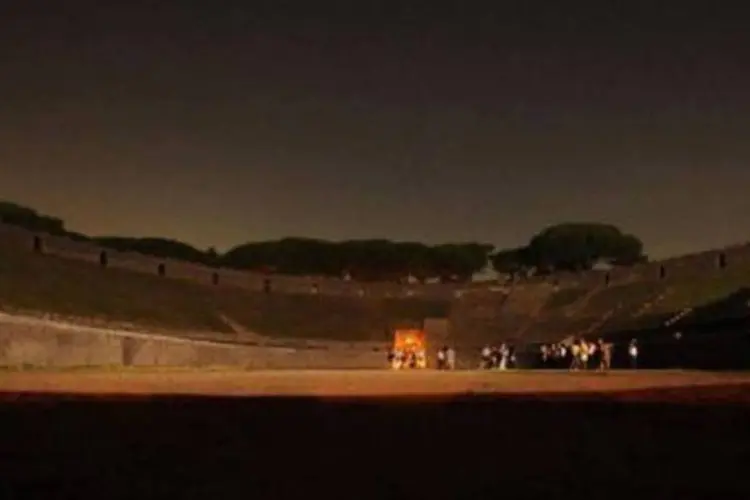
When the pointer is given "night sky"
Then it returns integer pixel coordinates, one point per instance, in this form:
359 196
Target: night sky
403 120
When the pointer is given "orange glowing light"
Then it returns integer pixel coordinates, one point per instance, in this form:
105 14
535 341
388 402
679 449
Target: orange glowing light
409 339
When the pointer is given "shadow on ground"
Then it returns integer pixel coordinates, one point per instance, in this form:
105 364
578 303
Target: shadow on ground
469 447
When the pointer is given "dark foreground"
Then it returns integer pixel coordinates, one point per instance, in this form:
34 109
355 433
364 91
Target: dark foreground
482 447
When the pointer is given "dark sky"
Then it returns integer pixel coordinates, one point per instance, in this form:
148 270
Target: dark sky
406 120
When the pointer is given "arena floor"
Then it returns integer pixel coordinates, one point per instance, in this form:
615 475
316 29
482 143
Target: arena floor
352 383
222 434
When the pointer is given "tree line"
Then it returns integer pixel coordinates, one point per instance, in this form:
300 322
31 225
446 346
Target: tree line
571 247
568 246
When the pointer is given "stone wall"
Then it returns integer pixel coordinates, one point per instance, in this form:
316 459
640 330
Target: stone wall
32 342
620 298
476 307
64 247
699 264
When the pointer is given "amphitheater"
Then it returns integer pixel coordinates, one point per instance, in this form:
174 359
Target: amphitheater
68 303
125 376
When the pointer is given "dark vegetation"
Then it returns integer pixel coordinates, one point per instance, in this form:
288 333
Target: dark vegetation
571 247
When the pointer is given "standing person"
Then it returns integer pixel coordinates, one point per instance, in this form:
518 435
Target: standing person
495 357
633 353
563 352
486 357
441 355
398 359
544 350
594 354
575 351
504 354
583 352
413 359
451 358
605 355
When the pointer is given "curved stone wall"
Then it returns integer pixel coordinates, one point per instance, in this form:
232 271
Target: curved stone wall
34 343
688 266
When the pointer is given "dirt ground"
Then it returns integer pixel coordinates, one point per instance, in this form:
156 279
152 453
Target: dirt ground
629 385
189 434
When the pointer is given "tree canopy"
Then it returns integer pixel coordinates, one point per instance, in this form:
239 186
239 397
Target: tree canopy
28 218
157 247
362 259
571 247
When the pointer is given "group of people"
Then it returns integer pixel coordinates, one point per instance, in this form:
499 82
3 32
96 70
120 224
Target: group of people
498 358
582 355
576 356
579 355
446 358
410 358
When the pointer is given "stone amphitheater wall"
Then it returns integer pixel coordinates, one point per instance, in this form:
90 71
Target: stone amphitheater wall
176 269
34 343
688 266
